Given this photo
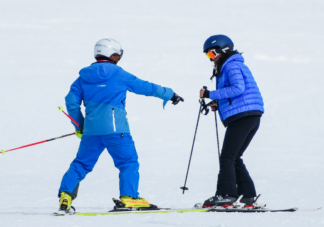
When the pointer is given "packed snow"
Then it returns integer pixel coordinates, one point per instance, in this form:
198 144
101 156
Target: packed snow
44 44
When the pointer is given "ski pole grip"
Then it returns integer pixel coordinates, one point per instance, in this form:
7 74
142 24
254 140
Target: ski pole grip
204 87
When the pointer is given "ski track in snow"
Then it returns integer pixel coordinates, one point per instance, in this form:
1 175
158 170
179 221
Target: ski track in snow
44 44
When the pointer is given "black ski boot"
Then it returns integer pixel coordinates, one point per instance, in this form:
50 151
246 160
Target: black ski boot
219 201
248 201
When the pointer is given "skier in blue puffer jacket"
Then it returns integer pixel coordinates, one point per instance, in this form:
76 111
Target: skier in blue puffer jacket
102 87
240 106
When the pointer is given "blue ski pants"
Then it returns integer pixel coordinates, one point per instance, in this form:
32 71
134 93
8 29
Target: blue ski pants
121 148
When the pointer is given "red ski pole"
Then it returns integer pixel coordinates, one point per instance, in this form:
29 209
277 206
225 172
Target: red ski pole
74 121
32 144
44 141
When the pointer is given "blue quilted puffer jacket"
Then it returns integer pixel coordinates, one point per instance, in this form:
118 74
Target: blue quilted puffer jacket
236 90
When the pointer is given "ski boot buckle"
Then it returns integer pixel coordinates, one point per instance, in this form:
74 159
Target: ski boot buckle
258 205
238 204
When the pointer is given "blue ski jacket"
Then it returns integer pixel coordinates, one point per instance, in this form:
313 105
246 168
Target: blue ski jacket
236 90
102 87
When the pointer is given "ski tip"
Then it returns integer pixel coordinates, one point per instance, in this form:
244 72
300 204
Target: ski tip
3 151
60 108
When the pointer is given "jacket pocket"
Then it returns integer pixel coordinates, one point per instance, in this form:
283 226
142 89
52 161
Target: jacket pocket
114 120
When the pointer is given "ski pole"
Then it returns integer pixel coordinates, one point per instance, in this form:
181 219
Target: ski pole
74 121
217 138
202 107
193 143
44 141
32 144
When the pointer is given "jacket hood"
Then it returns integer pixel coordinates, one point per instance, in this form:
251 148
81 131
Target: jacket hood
236 57
98 72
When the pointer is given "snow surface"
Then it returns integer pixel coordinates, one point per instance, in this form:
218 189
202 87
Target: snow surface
43 45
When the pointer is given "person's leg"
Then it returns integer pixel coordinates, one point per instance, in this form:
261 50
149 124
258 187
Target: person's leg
235 137
122 149
89 151
245 185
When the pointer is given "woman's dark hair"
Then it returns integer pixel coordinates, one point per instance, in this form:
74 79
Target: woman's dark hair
101 57
223 59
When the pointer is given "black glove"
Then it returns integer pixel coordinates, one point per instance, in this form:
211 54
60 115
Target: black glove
206 94
213 107
176 99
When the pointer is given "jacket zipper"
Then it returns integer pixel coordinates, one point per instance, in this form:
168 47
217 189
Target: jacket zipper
114 123
123 103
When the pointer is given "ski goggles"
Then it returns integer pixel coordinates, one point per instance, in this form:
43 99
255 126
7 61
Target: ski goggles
212 54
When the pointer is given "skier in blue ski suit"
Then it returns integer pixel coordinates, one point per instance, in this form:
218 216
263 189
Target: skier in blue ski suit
102 87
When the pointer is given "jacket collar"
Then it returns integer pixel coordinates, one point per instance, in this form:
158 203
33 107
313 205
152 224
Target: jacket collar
103 61
234 57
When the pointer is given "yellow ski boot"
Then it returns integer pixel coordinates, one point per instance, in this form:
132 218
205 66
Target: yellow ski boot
65 205
127 203
134 202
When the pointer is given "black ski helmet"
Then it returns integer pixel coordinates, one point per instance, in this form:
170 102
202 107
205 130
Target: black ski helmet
221 42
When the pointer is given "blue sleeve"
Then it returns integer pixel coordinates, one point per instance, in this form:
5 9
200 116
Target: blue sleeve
236 88
146 88
73 102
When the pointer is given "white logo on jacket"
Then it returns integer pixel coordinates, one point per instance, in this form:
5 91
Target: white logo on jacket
103 85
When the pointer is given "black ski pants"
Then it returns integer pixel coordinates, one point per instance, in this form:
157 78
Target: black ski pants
233 178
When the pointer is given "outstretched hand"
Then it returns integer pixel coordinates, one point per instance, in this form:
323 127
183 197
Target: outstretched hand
176 99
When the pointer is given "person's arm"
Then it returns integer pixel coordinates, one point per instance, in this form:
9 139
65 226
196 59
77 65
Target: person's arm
236 88
73 102
146 88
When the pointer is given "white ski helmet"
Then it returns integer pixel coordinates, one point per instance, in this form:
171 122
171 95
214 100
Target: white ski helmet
108 47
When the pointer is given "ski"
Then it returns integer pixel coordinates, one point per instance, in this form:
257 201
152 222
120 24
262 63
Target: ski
248 210
311 210
120 208
166 210
160 210
243 208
